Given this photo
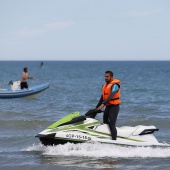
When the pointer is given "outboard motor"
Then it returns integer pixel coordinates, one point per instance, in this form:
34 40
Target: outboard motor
15 85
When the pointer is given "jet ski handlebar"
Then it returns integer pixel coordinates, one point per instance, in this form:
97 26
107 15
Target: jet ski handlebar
92 113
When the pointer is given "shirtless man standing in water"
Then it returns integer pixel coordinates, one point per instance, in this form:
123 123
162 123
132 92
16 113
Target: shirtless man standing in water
24 78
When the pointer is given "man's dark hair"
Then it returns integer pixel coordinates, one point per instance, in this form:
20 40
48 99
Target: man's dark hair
25 68
109 72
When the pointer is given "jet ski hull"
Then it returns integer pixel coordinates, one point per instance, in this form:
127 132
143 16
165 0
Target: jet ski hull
50 140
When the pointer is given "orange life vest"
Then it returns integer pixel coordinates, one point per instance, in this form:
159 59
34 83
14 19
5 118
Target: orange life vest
106 91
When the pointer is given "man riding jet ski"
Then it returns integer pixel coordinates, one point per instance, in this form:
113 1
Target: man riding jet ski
75 128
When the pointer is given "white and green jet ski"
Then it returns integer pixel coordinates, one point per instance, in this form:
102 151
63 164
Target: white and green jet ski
75 128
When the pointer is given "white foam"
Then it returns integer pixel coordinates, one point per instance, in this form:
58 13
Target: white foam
101 150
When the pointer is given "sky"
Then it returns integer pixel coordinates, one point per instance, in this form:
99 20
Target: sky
84 30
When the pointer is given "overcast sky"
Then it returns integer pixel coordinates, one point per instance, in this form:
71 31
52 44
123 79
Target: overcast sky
84 30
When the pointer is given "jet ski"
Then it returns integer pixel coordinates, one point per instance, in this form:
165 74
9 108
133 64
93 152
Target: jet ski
76 128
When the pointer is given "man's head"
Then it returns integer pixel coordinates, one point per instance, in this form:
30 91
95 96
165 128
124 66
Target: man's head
25 69
108 76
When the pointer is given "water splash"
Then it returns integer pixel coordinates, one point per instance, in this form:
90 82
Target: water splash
101 150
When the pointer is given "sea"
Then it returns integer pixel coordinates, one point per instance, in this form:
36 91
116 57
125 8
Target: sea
76 86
